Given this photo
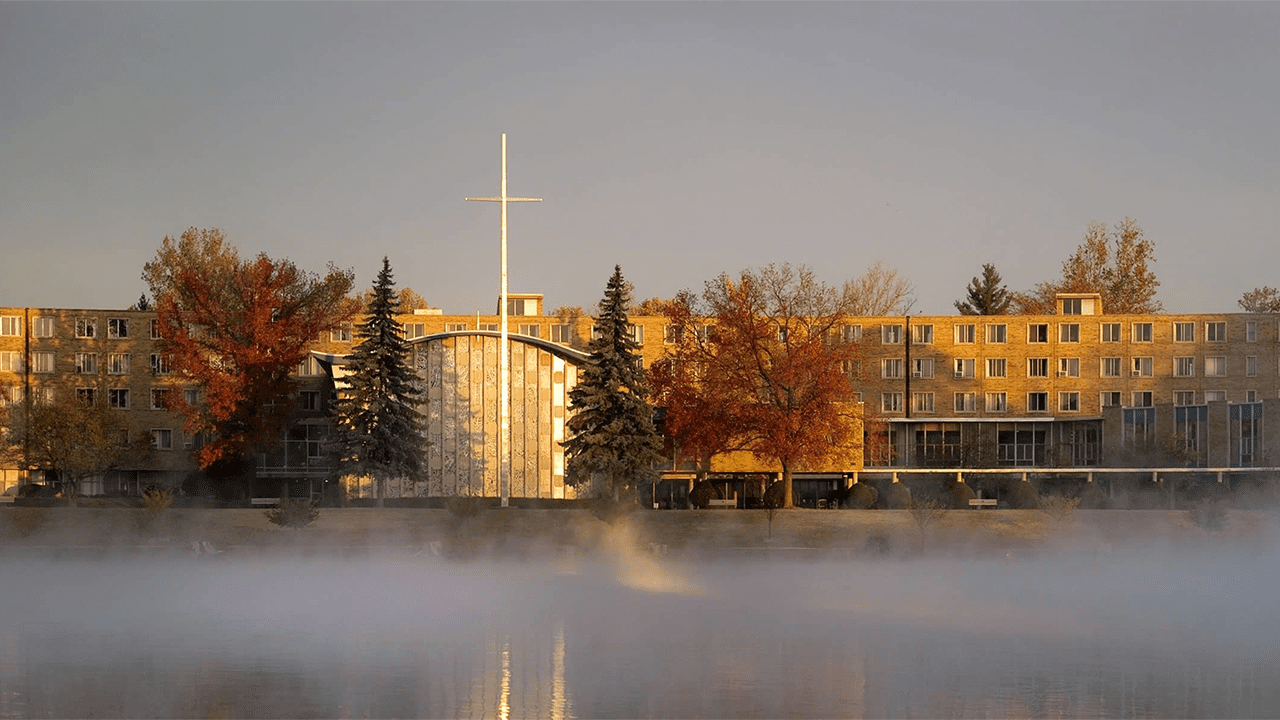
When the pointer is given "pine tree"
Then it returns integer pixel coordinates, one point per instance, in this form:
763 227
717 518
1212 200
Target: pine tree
611 434
986 295
378 428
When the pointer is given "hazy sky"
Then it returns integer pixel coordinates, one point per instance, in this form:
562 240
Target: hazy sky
679 140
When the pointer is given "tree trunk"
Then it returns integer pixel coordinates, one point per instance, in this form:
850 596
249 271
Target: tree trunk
787 499
380 485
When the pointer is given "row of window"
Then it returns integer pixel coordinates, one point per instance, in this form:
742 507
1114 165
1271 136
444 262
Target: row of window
998 402
44 326
1037 333
86 363
1113 367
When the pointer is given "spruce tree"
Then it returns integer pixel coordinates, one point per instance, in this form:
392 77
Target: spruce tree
378 428
986 295
612 438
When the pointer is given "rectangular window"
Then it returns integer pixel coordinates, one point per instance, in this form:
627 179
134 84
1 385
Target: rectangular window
159 364
1251 396
922 402
922 368
11 326
455 327
1038 402
563 333
86 327
159 398
1142 332
964 367
966 402
852 368
515 306
310 367
309 400
635 331
529 330
1111 367
42 362
922 334
1251 331
1068 402
1142 367
162 438
1072 306
964 334
1215 367
1110 399
491 327
42 326
1215 332
85 395
191 396
86 363
1215 396
1143 399
891 368
1038 333
1184 367
1184 397
891 402
851 333
997 367
11 395
1069 367
413 331
997 334
342 333
671 334
117 328
997 402
1110 332
891 334
1250 365
155 329
11 362
118 398
1069 332
1037 367
118 363
1184 332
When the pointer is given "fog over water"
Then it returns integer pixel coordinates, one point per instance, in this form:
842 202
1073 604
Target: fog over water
1153 633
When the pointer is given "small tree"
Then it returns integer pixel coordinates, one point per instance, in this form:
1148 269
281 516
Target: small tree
925 513
879 291
986 295
378 428
611 436
1116 264
1265 299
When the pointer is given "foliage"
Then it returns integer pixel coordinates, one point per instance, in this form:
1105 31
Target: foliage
1211 516
1265 299
925 513
238 329
1115 264
1022 495
407 300
986 295
611 436
156 499
862 496
1060 509
960 495
775 495
897 497
293 513
654 307
144 303
878 292
702 493
377 425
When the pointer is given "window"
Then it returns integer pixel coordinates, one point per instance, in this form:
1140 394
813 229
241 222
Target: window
1069 367
1250 365
966 402
671 334
1215 396
964 367
310 367
964 334
635 331
1110 332
515 306
11 395
1037 367
891 334
491 327
1038 402
1068 402
1251 331
1215 367
1184 332
413 331
1110 399
159 398
86 327
85 395
1215 332
118 363
996 334
11 362
891 402
1111 367
162 438
851 333
852 368
1251 396
1142 367
1184 367
922 368
191 396
1069 332
891 368
1142 332
530 330
42 326
922 402
997 367
1038 333
118 398
997 402
11 326
42 362
563 333
782 335
705 334
1072 306
922 334
155 329
309 400
86 363
342 333
457 327
1143 399
1184 397
159 364
117 328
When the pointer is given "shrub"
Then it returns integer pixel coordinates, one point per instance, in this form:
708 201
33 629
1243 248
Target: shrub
774 495
293 513
862 496
960 495
704 492
466 506
897 496
605 508
156 499
1022 495
1060 508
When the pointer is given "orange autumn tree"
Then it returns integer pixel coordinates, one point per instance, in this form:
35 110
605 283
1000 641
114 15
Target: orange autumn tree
238 329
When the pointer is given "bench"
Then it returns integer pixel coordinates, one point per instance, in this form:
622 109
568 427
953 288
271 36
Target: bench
982 502
6 499
730 504
255 502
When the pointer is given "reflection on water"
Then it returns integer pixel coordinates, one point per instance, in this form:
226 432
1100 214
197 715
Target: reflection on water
405 638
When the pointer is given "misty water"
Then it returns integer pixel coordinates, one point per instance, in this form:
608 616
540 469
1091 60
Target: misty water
1148 634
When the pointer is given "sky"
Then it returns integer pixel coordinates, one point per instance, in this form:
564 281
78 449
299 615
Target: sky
678 140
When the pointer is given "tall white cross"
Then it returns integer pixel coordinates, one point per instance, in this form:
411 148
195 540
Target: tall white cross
504 403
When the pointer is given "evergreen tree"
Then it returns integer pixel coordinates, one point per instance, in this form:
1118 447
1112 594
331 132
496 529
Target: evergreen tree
611 434
987 295
378 428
